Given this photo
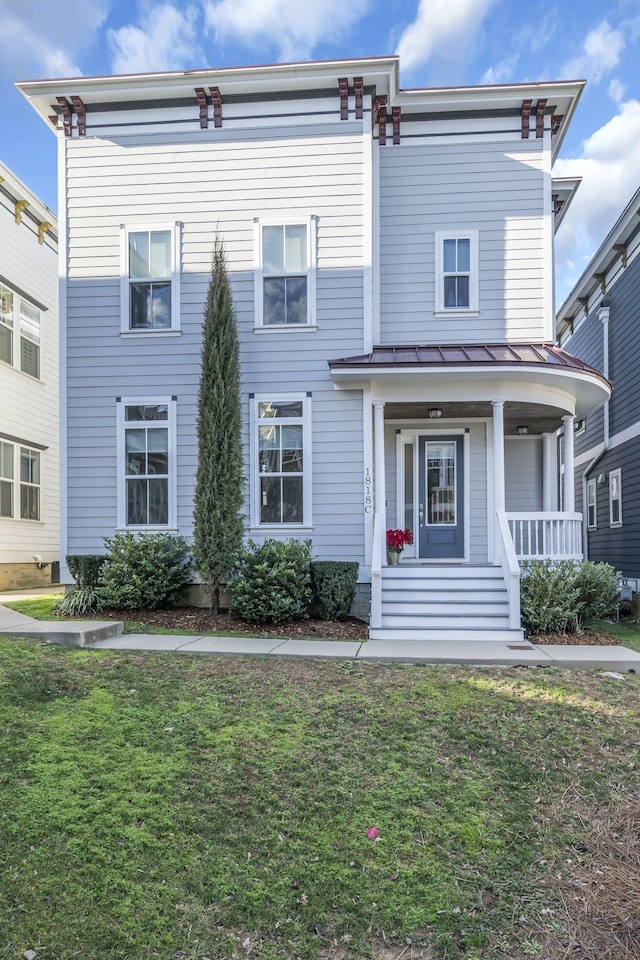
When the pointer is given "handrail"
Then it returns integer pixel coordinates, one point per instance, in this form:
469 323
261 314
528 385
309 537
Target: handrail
376 570
546 534
511 569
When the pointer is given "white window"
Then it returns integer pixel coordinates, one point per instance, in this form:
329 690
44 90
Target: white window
282 454
6 479
150 283
456 272
29 484
19 319
615 498
285 274
592 504
146 464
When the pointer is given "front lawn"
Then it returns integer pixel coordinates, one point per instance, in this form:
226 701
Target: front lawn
182 807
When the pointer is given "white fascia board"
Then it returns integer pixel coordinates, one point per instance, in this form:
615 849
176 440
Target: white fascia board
19 191
565 188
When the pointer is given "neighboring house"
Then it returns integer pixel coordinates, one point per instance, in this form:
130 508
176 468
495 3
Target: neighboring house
29 359
600 323
391 259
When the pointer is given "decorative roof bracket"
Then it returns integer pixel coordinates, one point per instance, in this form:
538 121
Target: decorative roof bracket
540 108
602 280
358 87
81 112
343 87
379 116
584 303
204 107
42 229
21 206
395 114
556 123
216 100
621 248
526 113
65 109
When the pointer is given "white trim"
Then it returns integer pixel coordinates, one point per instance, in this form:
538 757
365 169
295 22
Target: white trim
592 486
548 314
439 237
370 239
310 221
121 497
617 440
368 473
255 526
174 228
63 249
615 474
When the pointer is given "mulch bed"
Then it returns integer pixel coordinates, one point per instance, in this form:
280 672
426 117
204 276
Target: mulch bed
201 620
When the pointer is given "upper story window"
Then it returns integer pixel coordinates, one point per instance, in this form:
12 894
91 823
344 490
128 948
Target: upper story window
150 278
456 270
19 332
592 505
615 498
282 458
285 274
147 464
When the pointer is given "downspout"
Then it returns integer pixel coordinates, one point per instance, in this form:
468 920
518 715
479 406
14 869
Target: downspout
603 315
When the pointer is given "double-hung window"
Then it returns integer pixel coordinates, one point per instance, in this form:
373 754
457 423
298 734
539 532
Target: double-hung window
6 479
456 269
19 319
282 458
285 274
23 463
29 484
146 486
150 278
615 498
592 504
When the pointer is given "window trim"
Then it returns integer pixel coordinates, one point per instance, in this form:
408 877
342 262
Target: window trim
16 331
310 221
121 427
286 528
29 484
612 475
125 281
17 483
440 237
592 488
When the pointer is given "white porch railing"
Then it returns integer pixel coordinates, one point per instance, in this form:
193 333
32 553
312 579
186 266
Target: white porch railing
506 556
377 555
553 536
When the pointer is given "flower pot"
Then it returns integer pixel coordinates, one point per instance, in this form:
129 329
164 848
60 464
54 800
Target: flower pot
393 558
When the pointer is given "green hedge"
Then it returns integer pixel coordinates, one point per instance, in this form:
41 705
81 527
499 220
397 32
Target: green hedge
272 582
559 596
333 583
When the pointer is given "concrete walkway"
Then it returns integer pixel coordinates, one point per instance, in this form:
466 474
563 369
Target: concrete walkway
107 635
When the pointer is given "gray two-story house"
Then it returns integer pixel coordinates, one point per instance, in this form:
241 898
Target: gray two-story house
391 257
600 323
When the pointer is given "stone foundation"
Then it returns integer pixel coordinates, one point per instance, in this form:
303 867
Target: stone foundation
24 576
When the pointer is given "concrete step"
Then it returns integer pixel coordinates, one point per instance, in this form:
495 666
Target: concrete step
446 634
444 620
398 593
426 608
403 571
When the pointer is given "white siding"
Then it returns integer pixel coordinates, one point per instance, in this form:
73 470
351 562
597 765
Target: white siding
211 183
494 187
29 407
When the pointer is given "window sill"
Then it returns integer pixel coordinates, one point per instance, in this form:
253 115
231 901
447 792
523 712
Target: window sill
286 328
143 334
591 529
614 526
287 528
471 312
148 529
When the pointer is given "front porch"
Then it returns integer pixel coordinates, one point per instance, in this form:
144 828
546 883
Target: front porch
465 456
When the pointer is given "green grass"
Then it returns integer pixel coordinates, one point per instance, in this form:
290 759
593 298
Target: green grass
628 633
181 806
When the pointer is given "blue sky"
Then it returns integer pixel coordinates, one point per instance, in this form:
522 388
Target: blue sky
440 43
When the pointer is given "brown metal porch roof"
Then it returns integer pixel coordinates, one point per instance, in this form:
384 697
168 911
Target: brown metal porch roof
473 355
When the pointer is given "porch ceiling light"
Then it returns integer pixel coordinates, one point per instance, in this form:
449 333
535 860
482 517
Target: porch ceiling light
522 430
435 413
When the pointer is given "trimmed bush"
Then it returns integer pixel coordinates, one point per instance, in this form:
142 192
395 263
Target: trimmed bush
272 582
86 569
87 597
333 583
145 570
557 597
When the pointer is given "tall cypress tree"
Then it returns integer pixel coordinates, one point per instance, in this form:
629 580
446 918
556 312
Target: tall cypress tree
218 523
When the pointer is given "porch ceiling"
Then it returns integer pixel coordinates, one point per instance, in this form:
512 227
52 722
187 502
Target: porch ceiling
537 417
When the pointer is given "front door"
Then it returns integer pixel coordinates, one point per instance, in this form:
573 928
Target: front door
441 497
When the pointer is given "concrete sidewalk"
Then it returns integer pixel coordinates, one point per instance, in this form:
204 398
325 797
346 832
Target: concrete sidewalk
107 635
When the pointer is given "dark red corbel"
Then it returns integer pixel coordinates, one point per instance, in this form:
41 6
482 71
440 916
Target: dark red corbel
526 113
65 110
395 114
557 206
204 107
540 108
358 87
343 87
556 123
379 116
81 113
216 100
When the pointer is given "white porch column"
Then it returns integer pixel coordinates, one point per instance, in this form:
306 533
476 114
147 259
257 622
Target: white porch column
549 473
378 440
498 455
569 465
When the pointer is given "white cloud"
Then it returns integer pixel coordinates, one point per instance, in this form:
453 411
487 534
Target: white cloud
600 53
293 27
616 91
166 39
440 24
31 33
608 165
501 73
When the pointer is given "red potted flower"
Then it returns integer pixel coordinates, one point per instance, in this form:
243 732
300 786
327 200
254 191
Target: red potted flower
396 542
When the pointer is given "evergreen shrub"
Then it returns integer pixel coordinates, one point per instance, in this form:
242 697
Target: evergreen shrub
86 569
333 583
272 581
559 596
87 596
145 570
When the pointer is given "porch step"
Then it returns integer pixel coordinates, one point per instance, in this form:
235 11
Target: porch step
444 603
